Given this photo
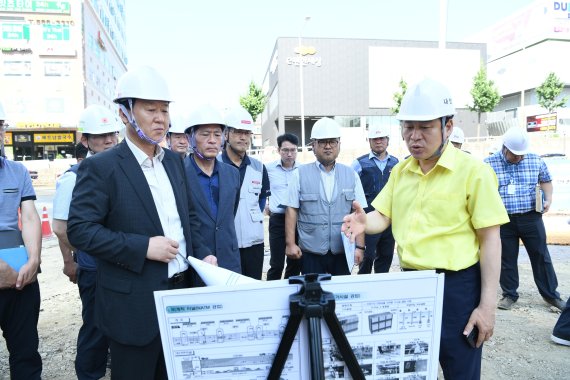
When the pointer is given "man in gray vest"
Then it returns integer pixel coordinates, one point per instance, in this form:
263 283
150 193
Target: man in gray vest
254 190
320 194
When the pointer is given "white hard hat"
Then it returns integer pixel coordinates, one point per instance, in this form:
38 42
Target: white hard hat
208 114
142 83
2 113
457 136
97 120
239 118
325 128
176 124
427 100
377 131
516 140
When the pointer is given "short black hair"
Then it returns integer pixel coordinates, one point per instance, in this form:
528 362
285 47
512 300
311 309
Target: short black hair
293 139
80 151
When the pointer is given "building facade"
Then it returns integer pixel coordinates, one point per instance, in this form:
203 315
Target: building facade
57 57
522 50
354 81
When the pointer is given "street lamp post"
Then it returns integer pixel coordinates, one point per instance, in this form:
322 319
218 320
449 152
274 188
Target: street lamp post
304 148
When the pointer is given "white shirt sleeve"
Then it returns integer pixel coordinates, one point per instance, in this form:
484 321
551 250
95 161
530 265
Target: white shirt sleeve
356 166
293 190
63 193
359 192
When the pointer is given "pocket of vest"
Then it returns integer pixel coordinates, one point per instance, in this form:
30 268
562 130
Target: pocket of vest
349 195
254 187
309 203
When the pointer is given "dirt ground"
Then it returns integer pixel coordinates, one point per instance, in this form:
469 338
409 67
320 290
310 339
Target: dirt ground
521 347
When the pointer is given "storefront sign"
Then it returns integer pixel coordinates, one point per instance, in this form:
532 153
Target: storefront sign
51 21
541 123
562 8
46 138
17 68
8 138
302 57
15 31
11 50
35 6
31 124
297 61
57 51
305 50
55 32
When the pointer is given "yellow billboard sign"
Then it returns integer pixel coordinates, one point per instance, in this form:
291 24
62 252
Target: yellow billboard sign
48 138
32 124
8 138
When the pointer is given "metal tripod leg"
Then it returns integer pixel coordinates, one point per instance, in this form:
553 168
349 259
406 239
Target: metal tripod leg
285 345
314 303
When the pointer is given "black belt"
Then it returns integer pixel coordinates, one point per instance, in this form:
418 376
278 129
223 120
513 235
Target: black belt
178 278
521 214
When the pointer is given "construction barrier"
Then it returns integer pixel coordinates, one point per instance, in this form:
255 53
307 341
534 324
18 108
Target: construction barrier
46 228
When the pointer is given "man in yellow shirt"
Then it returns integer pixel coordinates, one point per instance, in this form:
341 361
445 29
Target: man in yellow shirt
445 214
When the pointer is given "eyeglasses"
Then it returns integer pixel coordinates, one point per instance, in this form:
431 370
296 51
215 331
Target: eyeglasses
323 143
288 150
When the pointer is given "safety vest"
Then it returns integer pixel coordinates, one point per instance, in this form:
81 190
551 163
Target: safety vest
249 218
84 260
373 180
319 220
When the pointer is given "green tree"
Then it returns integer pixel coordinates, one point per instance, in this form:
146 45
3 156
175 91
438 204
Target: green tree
398 96
253 101
485 94
548 91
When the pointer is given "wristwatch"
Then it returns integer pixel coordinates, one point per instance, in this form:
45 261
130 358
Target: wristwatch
360 247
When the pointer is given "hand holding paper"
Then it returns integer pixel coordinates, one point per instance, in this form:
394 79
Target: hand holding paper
214 275
355 223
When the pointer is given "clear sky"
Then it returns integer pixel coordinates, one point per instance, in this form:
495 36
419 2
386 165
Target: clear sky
209 50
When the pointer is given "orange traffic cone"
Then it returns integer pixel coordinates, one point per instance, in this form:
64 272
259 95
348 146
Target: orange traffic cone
46 228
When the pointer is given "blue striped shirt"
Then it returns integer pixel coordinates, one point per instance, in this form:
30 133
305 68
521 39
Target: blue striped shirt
517 182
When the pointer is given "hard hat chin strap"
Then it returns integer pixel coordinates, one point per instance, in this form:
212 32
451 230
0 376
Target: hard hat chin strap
193 145
131 118
439 150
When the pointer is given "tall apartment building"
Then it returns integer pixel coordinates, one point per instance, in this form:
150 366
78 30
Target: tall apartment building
57 57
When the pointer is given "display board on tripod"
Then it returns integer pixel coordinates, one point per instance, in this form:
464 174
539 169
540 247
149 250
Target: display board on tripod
392 322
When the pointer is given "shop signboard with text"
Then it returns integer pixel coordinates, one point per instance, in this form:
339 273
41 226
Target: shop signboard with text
541 123
47 138
35 6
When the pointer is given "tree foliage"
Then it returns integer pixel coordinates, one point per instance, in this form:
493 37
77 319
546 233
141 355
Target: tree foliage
485 94
253 101
548 91
398 96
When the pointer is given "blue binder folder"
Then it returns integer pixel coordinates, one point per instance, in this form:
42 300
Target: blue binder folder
12 249
15 257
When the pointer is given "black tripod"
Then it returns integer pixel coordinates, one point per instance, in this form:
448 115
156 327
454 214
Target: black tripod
314 303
